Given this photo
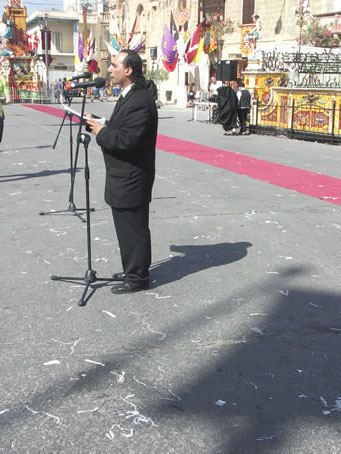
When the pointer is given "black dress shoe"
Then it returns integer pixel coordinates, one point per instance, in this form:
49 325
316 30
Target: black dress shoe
126 287
118 277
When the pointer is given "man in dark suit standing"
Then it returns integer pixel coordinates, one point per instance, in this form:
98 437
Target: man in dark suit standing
128 144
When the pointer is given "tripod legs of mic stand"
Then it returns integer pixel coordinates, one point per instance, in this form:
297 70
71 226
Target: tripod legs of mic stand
89 278
90 275
72 207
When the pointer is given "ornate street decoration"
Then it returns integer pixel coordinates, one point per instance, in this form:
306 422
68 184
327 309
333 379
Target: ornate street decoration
311 98
271 117
181 15
320 70
269 82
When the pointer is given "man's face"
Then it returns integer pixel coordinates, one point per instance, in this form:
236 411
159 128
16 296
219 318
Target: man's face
234 84
117 70
213 80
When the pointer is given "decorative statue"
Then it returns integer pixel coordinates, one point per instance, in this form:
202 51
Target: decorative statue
251 36
9 29
255 32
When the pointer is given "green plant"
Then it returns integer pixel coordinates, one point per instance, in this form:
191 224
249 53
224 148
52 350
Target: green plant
219 26
319 35
158 75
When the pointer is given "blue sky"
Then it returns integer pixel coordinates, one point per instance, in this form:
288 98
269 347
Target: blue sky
33 5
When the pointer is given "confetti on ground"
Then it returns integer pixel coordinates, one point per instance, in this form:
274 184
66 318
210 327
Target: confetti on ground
110 314
284 292
157 296
43 413
87 411
120 375
271 437
148 326
94 362
123 431
220 403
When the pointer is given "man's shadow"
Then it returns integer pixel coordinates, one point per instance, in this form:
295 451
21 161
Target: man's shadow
25 176
195 258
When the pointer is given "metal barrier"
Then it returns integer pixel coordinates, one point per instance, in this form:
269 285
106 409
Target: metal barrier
308 121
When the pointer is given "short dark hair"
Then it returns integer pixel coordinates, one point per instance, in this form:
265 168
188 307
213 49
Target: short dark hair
133 61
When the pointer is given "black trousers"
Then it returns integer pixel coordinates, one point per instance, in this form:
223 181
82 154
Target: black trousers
242 115
1 128
132 230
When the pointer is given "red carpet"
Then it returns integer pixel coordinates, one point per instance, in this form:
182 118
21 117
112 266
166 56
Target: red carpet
55 111
305 182
309 183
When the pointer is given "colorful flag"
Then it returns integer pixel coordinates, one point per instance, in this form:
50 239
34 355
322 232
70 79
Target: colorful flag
199 51
169 47
170 67
80 47
93 47
192 46
172 27
114 43
131 34
88 46
93 66
136 42
111 49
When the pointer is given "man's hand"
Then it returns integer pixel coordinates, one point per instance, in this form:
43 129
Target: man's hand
95 126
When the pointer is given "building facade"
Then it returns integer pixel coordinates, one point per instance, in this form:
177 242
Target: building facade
273 24
63 29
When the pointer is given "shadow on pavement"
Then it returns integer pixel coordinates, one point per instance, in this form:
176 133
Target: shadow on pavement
24 176
195 258
274 382
26 148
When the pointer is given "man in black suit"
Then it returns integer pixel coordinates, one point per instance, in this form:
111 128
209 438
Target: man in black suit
128 144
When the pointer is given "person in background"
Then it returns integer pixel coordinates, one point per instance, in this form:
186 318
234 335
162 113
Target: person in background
191 95
116 90
58 90
244 106
227 108
2 113
213 88
66 94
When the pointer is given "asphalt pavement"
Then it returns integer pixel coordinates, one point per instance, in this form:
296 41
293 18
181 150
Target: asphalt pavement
234 349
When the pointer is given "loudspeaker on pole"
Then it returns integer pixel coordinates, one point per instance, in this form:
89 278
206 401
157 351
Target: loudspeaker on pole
227 70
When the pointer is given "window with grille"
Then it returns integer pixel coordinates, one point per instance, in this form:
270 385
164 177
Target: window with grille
214 8
248 11
57 41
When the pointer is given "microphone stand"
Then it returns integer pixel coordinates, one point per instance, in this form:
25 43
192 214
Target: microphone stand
72 207
90 275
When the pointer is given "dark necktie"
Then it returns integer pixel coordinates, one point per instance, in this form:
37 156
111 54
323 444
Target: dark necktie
118 103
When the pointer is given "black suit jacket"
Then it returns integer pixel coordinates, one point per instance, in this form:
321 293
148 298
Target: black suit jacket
128 145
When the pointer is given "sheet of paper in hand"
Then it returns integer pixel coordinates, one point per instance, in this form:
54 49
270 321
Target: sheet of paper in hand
78 114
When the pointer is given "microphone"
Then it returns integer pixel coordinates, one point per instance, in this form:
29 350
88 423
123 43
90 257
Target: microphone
99 82
85 75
